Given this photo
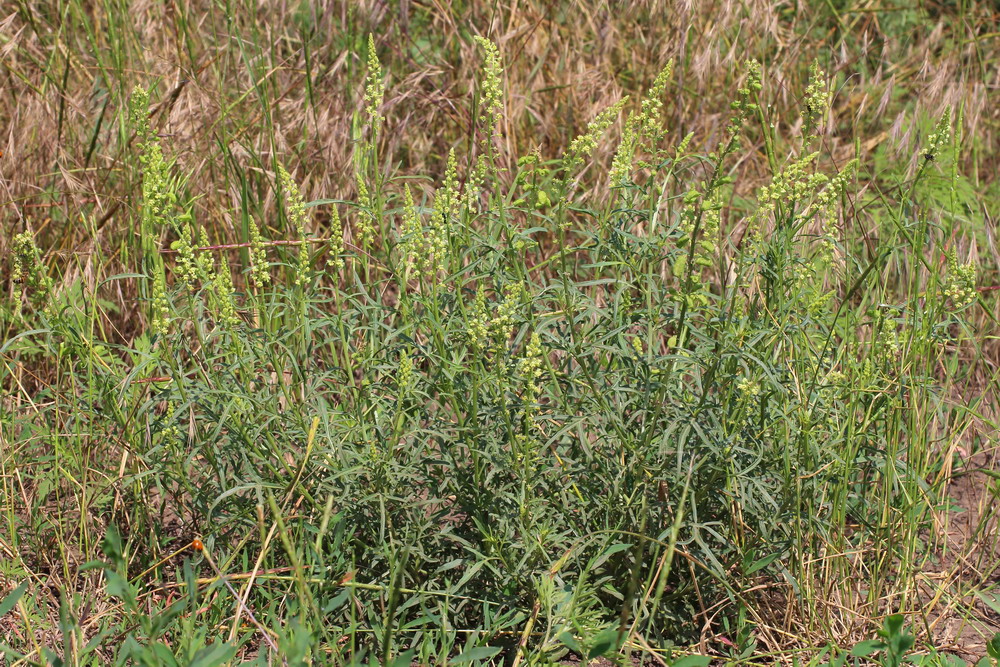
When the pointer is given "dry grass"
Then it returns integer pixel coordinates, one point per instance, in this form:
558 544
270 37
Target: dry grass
279 83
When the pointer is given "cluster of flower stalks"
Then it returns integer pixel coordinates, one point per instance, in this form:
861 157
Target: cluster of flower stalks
561 400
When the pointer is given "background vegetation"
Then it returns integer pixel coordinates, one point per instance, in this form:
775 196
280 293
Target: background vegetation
499 333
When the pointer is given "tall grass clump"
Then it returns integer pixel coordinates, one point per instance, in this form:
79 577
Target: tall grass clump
496 412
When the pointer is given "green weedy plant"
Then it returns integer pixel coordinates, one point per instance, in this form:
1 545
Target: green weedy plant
159 197
536 420
366 164
893 645
296 212
896 646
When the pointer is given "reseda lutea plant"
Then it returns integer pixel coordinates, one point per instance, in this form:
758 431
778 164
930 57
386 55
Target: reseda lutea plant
522 414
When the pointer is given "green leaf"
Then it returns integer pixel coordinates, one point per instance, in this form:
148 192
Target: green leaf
404 659
991 600
569 641
692 661
866 648
52 659
607 641
951 660
163 654
475 653
320 202
12 598
212 655
470 573
893 625
608 553
23 334
761 563
119 587
900 644
993 647
337 601
122 276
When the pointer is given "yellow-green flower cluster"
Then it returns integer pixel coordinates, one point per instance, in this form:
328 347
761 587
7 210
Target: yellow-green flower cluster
224 303
889 343
335 250
158 192
187 265
869 378
203 257
961 283
138 111
707 242
366 230
818 298
447 199
833 189
503 322
446 208
404 372
423 248
259 275
296 211
638 346
583 146
29 270
172 431
689 218
792 184
940 137
747 392
748 389
701 255
645 126
374 86
836 377
491 96
685 142
491 108
411 231
474 184
621 164
159 196
650 119
817 100
478 327
743 105
530 371
436 243
485 330
161 307
825 207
